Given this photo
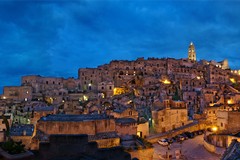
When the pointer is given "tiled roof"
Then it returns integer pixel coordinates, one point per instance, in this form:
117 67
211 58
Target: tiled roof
67 117
232 152
18 130
104 135
39 108
125 120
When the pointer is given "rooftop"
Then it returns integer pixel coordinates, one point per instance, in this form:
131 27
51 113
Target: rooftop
233 151
22 130
125 120
104 135
68 117
39 108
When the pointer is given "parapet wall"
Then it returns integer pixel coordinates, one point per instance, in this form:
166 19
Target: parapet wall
77 147
209 147
143 154
188 128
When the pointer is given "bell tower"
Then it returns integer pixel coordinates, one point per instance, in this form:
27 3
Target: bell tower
191 52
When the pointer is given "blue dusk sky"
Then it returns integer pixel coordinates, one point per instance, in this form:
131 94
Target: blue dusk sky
57 37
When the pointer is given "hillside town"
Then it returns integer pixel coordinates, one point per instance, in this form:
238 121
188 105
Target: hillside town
144 109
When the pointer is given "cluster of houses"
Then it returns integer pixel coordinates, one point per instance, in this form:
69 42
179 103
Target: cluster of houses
122 98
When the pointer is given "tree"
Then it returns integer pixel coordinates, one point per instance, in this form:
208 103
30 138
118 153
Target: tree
5 121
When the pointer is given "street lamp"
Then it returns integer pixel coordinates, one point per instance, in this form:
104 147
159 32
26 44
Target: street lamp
214 129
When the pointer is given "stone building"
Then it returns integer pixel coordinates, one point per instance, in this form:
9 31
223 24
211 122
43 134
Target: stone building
18 93
41 84
76 124
39 111
101 128
71 84
22 133
106 88
217 75
124 112
78 147
211 114
143 128
51 89
174 115
192 52
222 64
228 121
126 126
105 140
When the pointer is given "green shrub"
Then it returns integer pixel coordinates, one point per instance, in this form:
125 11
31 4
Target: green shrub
13 147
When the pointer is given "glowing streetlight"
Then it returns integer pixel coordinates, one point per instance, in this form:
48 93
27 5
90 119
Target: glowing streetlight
232 80
166 81
230 101
214 129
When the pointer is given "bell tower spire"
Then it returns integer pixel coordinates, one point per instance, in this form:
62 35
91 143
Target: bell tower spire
192 52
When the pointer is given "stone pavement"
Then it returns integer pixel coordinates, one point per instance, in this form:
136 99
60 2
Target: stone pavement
192 149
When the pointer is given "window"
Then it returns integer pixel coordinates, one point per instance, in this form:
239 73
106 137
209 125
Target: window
61 128
121 73
110 87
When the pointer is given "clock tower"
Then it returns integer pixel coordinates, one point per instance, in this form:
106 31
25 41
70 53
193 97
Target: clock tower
191 52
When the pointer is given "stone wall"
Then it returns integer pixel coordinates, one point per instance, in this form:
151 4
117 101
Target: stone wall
188 128
78 127
126 129
209 146
77 147
143 154
143 129
221 140
26 140
19 93
108 143
212 148
233 121
168 119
